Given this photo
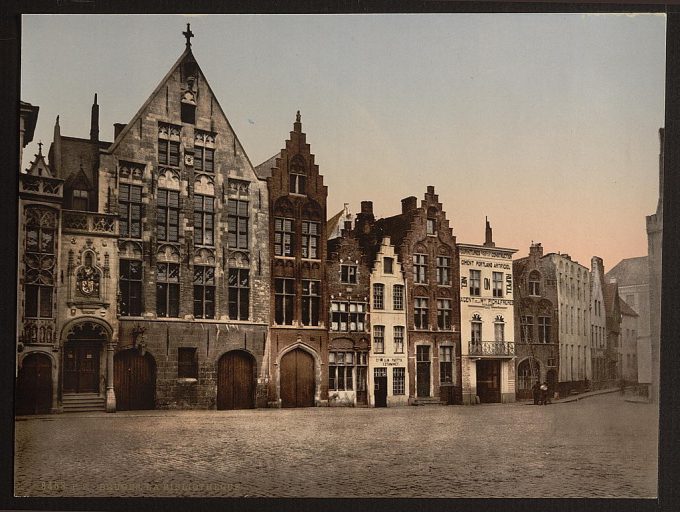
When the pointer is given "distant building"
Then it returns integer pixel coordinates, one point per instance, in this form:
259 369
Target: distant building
612 305
628 363
487 322
632 277
598 324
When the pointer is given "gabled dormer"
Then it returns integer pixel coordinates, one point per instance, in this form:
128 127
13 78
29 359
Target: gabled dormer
39 182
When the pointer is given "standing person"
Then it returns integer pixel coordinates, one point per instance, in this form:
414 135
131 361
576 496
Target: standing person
537 393
544 393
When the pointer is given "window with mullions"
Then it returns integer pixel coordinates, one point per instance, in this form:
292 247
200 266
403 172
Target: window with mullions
340 371
544 329
167 215
168 152
311 302
284 296
204 159
79 200
421 313
444 314
283 237
398 339
475 282
476 330
446 364
130 282
310 239
130 211
239 293
398 297
497 284
39 259
204 291
419 268
499 329
535 283
443 270
204 219
167 290
348 316
378 296
348 274
237 211
379 339
399 381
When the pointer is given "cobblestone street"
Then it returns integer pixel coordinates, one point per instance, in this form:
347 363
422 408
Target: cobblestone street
599 447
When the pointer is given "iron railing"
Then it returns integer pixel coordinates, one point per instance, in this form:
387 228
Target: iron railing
90 222
492 348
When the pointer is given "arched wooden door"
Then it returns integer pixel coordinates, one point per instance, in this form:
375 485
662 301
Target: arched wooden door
236 381
34 385
134 381
297 379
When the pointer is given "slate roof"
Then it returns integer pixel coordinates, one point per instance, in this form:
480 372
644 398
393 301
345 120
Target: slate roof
332 223
264 170
75 151
630 271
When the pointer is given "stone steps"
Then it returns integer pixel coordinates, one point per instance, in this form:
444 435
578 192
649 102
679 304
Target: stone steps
83 402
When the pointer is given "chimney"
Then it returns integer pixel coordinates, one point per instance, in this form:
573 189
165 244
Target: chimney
365 218
597 263
117 128
488 239
409 204
94 121
536 250
430 189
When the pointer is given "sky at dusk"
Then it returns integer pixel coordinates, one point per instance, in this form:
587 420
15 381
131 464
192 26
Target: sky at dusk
546 123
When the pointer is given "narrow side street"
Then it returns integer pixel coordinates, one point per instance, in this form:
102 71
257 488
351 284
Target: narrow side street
603 446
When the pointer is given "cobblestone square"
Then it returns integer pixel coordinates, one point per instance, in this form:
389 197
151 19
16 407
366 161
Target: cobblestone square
602 446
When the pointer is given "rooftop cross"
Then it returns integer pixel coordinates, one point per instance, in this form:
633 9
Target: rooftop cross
188 34
40 144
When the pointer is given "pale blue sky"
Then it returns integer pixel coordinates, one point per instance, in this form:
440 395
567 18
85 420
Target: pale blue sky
546 123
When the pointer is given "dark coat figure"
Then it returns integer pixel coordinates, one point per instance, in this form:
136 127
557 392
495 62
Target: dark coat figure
544 393
536 389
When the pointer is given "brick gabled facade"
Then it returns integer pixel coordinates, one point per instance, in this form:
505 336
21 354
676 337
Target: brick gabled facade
297 235
424 240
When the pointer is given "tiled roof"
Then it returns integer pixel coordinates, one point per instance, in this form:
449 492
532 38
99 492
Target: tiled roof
630 271
264 170
609 292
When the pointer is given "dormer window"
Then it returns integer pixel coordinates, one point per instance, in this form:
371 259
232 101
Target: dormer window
79 200
298 176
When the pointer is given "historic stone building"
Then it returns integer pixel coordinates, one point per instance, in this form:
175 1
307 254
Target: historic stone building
487 322
654 247
537 322
598 324
628 356
426 248
163 276
298 359
348 276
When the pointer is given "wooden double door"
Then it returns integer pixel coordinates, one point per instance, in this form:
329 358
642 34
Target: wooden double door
236 381
81 366
34 385
134 380
297 379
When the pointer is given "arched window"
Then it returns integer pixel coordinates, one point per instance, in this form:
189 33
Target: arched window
534 283
499 328
298 176
40 260
476 330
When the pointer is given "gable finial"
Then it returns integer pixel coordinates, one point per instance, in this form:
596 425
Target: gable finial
297 117
40 144
188 34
